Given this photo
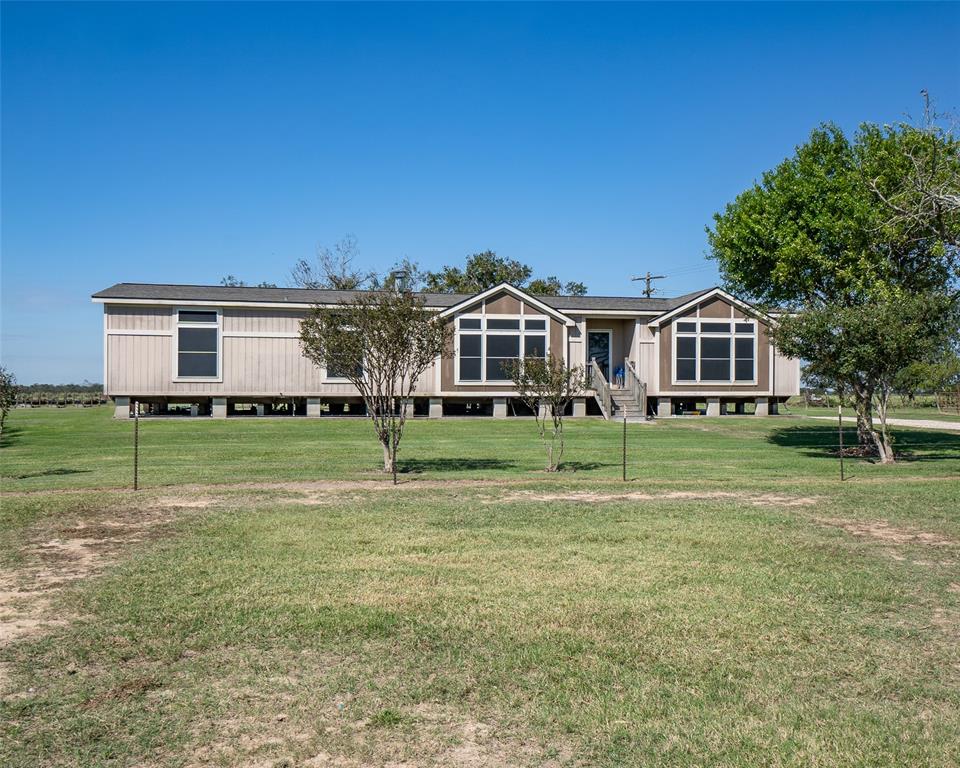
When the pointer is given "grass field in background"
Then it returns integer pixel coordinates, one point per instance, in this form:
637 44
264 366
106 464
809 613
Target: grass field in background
271 600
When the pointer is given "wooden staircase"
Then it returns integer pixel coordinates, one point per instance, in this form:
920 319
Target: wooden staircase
625 403
628 401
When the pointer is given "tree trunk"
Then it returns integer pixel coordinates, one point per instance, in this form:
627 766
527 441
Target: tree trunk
863 405
884 443
871 439
388 457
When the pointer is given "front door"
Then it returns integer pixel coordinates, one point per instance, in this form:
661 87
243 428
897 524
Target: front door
598 348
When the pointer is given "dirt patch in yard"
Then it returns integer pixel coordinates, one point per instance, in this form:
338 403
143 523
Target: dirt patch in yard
58 553
590 497
883 532
412 737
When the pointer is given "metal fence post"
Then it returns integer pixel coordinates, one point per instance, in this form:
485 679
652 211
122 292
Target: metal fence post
136 444
624 445
840 430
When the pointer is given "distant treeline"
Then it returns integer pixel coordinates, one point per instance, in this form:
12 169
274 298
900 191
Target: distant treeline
86 387
61 395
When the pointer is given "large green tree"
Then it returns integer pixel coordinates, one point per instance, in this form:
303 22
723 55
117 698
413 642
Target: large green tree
485 270
843 232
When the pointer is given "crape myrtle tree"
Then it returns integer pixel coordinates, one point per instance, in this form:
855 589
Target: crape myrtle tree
547 385
841 234
8 395
382 342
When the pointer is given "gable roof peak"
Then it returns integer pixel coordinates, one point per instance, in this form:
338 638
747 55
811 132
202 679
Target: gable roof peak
519 293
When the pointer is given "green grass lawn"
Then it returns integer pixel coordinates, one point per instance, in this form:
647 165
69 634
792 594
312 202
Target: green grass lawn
271 600
927 412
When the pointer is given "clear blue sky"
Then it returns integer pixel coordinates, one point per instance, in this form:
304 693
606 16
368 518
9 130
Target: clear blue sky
183 142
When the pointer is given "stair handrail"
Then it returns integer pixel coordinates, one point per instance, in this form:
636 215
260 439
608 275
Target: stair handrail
598 383
636 387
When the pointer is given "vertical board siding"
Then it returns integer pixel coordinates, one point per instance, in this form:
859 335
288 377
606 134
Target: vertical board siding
139 318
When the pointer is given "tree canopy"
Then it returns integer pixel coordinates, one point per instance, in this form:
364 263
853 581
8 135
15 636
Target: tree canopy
860 239
824 225
485 270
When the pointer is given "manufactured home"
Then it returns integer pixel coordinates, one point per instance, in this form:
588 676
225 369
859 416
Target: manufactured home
220 351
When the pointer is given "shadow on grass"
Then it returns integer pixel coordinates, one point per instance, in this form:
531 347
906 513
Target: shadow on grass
10 436
584 466
416 466
909 444
52 472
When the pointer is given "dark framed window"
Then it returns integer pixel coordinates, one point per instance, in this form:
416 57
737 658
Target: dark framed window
534 346
198 344
501 350
471 356
715 352
487 345
686 358
196 316
714 358
743 359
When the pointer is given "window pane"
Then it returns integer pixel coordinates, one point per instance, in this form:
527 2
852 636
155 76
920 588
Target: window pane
744 327
333 372
500 324
495 368
197 339
534 346
715 348
470 369
470 322
714 370
470 346
686 347
192 316
503 346
744 369
535 325
686 370
744 348
192 364
714 327
687 327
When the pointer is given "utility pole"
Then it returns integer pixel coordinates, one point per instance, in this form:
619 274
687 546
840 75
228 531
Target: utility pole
648 280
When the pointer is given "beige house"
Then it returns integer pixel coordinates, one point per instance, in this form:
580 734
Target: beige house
218 350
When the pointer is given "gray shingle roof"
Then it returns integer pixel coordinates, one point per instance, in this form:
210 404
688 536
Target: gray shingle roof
187 293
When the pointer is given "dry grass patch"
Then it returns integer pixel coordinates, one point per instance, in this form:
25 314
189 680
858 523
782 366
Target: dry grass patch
885 533
592 497
61 551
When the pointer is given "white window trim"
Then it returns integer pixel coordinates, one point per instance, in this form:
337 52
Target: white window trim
175 346
732 336
482 333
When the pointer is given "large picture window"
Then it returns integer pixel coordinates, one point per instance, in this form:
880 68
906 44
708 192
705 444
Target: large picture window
715 351
486 346
198 344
